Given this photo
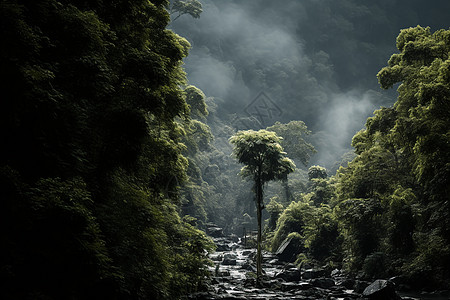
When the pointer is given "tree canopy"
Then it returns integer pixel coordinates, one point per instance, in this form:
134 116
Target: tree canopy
262 155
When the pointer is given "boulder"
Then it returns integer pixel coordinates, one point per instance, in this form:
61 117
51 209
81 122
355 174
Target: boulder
348 283
288 250
324 283
335 273
222 247
313 273
217 257
224 273
275 262
229 259
234 238
289 275
360 286
288 286
215 232
249 267
381 290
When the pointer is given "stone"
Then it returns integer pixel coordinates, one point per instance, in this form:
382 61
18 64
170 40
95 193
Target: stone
223 247
289 275
324 283
360 286
275 262
229 259
288 286
381 290
345 296
215 232
229 256
287 251
234 238
335 272
313 273
348 283
229 262
304 286
217 257
249 267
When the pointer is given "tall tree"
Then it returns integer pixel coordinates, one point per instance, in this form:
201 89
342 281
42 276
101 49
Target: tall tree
264 160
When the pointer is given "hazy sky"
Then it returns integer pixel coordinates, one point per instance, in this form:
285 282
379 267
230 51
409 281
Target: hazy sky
313 60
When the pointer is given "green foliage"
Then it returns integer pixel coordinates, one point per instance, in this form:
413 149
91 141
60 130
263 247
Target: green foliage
292 219
316 229
275 209
317 172
401 217
261 153
320 191
422 123
375 265
319 188
191 7
92 163
322 236
264 160
362 227
52 241
430 264
293 142
392 199
196 100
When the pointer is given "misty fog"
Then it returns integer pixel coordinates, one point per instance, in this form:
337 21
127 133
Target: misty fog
316 61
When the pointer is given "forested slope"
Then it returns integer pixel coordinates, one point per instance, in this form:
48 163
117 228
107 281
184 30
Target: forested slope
111 161
387 213
92 113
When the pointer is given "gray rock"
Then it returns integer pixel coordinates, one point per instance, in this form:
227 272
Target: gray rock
224 273
223 247
229 262
234 238
335 272
275 262
249 267
348 284
214 232
229 259
289 275
288 286
381 290
360 286
324 283
313 273
288 250
229 256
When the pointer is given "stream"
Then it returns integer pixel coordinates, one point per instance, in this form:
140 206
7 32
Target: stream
233 278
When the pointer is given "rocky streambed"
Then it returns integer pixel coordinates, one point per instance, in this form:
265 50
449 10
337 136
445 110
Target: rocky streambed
234 278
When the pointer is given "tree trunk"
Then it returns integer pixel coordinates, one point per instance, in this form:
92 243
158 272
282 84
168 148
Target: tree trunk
259 198
287 191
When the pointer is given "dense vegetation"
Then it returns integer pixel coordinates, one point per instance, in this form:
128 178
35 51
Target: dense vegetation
387 212
92 113
111 162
